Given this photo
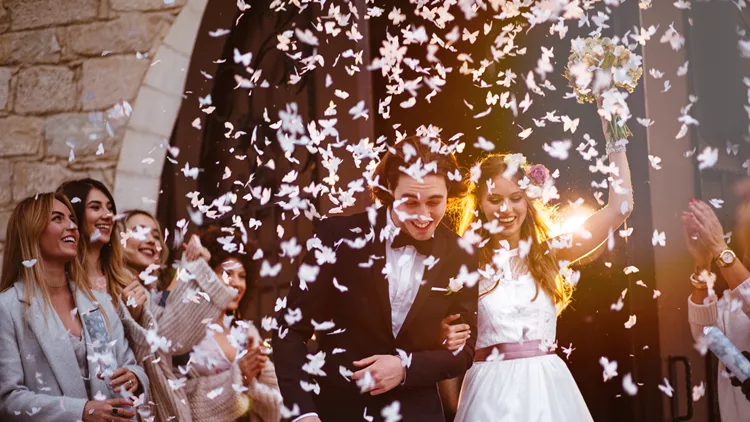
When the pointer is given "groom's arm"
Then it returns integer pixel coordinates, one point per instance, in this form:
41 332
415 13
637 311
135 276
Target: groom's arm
290 340
430 366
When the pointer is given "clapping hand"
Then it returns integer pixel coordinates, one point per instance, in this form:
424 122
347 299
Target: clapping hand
698 250
708 227
252 363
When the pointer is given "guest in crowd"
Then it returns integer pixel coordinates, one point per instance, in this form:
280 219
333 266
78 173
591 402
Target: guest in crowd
218 361
62 345
177 310
95 209
705 241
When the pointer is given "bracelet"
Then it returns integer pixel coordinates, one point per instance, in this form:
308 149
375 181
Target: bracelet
615 146
701 285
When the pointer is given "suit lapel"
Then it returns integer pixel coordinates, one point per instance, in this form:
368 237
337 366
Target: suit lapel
430 278
54 342
380 281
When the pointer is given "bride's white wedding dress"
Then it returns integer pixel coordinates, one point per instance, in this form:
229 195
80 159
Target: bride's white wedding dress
532 389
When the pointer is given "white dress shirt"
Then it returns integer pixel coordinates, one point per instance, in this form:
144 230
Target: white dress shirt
404 269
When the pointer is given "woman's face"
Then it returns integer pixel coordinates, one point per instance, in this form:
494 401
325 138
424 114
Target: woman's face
506 203
232 271
143 246
59 240
99 218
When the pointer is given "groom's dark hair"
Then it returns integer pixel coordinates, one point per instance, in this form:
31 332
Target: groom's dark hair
428 150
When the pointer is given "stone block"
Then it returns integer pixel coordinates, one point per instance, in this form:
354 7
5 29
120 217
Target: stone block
109 80
136 192
5 185
85 131
4 217
129 33
26 14
5 75
30 47
142 154
20 135
45 89
169 72
30 178
130 5
155 112
183 32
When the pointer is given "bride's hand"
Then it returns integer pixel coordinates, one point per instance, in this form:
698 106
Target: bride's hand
453 337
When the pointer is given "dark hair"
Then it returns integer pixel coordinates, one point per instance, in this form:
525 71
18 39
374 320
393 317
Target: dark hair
80 189
428 150
209 236
110 260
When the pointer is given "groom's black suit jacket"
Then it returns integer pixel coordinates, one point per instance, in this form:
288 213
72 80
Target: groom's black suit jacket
362 317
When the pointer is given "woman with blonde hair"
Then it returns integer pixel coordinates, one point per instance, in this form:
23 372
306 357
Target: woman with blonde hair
525 283
181 304
63 353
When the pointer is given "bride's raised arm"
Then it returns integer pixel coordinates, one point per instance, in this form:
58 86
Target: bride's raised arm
598 226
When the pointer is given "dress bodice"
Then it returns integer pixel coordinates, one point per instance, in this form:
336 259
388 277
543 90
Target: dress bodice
509 313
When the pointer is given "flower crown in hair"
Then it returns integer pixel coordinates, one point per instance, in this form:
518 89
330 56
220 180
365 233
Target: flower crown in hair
536 181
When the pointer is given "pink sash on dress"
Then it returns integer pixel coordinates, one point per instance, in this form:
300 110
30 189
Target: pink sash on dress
510 351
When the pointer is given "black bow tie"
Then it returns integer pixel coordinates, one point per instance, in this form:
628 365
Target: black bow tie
424 247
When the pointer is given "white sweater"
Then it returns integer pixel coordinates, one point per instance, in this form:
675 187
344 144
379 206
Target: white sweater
730 315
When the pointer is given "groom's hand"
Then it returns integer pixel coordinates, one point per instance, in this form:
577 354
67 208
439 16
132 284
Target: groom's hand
386 371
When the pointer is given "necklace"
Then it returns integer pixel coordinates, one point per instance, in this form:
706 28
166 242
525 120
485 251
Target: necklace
58 287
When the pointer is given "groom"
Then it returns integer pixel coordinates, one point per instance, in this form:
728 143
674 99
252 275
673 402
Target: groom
374 300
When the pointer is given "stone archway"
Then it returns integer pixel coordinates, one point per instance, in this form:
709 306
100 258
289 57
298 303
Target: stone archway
144 147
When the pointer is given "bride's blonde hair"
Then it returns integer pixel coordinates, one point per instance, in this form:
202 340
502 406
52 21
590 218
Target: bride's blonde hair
541 260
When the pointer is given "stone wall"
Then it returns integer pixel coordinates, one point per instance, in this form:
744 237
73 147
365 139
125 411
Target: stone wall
69 72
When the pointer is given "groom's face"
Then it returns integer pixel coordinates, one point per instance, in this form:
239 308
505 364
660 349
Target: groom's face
420 206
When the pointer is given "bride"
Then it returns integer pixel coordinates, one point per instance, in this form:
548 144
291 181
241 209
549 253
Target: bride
525 283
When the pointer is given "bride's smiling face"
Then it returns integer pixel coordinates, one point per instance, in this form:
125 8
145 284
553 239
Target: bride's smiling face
507 204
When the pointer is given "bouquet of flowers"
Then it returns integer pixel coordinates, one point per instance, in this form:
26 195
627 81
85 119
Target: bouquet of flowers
597 67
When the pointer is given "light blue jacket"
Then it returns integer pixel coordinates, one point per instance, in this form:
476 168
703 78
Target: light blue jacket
39 375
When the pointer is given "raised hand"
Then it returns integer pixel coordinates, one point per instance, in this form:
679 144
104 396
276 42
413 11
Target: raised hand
453 337
708 227
698 250
194 250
